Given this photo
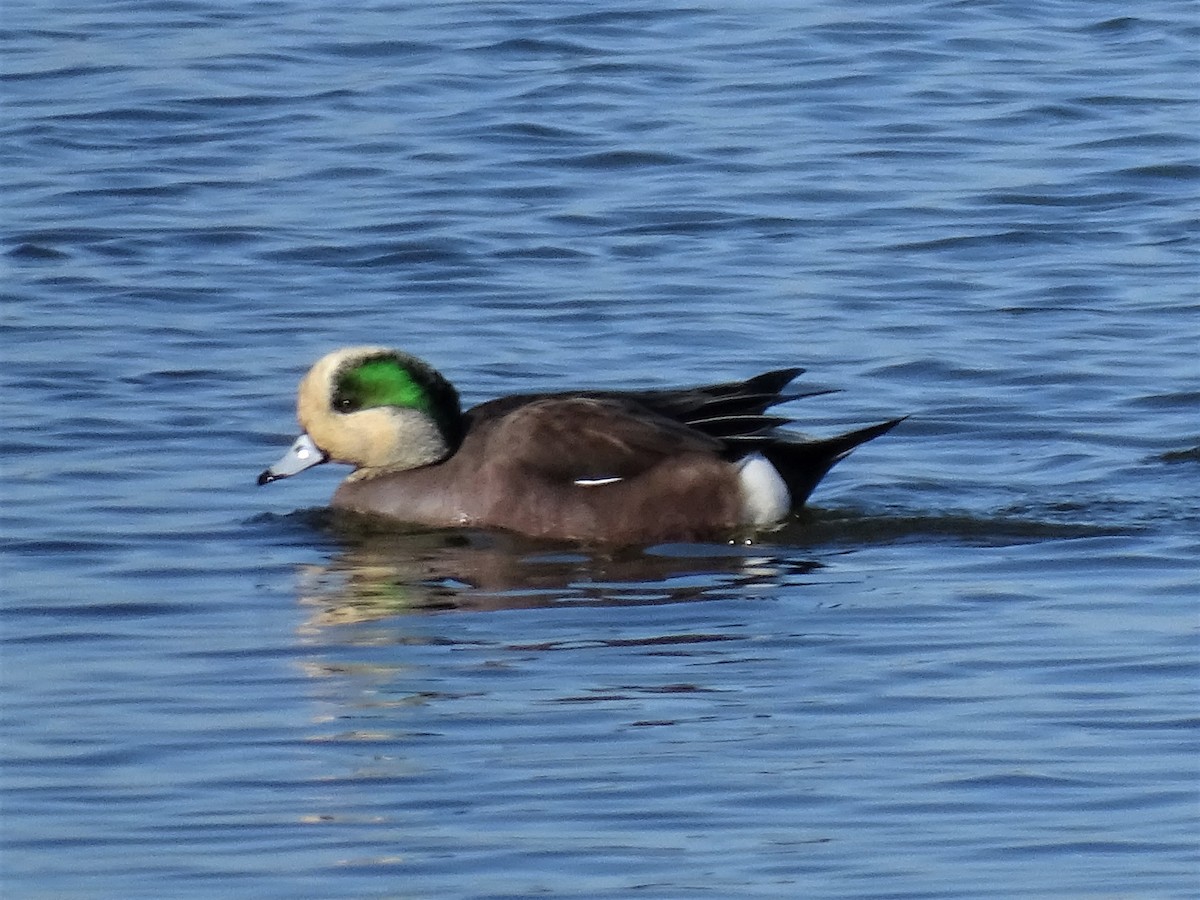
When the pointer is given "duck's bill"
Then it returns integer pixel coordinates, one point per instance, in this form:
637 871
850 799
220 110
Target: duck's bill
303 454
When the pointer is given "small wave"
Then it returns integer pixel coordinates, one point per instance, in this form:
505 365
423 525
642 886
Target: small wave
625 159
1191 454
36 252
843 526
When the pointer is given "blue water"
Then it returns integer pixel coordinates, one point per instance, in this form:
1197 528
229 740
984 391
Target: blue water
970 670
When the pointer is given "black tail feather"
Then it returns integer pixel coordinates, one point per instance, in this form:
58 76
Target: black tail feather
737 426
804 462
731 398
747 404
735 413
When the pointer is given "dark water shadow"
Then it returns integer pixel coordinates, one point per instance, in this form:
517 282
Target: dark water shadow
379 573
379 568
829 527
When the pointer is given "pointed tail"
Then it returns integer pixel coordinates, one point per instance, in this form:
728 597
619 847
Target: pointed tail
804 462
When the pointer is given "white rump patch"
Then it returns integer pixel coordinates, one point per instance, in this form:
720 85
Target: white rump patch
597 482
765 497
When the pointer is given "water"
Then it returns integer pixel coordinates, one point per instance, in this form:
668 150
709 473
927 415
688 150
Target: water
969 671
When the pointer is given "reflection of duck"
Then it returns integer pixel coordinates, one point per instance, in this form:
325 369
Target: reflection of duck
386 573
616 467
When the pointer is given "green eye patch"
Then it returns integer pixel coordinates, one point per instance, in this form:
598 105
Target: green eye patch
383 381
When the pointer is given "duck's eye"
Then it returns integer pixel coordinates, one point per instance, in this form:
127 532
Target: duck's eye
345 403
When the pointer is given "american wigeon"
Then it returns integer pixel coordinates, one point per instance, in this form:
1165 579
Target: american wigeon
614 467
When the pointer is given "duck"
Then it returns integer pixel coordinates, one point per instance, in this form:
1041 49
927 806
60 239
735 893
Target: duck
611 467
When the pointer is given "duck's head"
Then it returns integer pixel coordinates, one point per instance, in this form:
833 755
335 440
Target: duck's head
372 407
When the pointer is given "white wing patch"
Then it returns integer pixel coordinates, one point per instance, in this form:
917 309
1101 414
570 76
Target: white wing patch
597 482
765 497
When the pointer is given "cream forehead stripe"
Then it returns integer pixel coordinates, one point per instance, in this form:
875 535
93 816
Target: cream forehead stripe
316 388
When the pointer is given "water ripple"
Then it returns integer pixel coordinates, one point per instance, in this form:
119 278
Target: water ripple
967 670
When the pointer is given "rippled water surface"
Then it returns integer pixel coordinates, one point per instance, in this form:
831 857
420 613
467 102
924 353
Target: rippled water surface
969 670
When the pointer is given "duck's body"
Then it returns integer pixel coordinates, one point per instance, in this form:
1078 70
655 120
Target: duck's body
601 466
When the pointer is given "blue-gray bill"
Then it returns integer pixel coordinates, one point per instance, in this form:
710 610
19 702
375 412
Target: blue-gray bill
303 454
